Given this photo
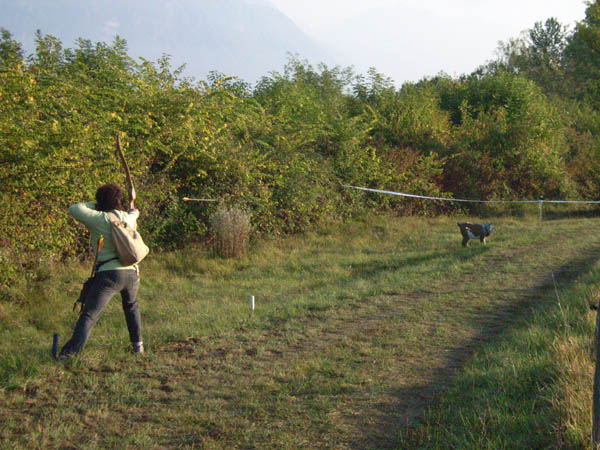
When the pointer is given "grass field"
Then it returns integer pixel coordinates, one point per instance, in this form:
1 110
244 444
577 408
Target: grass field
384 333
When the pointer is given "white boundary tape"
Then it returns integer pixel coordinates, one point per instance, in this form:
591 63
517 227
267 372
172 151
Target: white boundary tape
402 194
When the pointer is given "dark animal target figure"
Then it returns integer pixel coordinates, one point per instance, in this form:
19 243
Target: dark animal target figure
475 231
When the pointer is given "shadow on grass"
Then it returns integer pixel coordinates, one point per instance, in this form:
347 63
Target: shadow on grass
371 269
524 417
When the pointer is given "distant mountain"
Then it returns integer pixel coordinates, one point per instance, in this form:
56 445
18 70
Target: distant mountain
246 38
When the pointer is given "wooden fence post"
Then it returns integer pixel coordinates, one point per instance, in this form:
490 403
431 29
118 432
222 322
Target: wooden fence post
596 394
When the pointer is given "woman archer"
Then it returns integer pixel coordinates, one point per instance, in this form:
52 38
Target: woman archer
110 276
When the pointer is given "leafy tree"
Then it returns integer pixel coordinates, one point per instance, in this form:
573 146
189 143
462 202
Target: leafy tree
369 89
11 52
538 54
583 54
49 54
548 42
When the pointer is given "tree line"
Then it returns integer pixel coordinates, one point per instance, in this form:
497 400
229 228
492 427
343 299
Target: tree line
523 125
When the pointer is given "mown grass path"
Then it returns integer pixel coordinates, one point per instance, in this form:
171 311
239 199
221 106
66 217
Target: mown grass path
357 333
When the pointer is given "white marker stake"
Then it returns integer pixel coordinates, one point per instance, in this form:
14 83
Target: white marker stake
252 303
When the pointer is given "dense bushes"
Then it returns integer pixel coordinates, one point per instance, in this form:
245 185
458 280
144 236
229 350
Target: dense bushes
280 151
508 140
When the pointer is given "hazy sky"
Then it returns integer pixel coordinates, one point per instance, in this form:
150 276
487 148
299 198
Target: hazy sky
409 39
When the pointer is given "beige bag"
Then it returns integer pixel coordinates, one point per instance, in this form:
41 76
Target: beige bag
128 242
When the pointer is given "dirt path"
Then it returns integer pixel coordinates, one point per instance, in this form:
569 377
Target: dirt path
394 384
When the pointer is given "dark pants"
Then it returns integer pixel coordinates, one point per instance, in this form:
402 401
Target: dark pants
105 285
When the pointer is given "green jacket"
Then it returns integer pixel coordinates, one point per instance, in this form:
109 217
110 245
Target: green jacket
98 224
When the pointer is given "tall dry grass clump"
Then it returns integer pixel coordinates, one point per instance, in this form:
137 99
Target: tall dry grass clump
572 398
230 229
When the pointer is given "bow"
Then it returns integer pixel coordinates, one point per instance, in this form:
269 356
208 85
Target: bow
127 173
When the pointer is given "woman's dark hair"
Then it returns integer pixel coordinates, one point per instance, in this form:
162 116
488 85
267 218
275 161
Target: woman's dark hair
109 197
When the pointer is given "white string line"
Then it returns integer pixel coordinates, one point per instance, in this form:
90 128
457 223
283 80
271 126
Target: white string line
402 194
